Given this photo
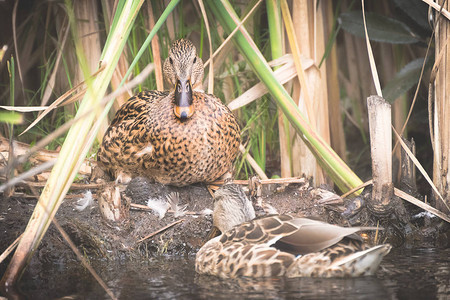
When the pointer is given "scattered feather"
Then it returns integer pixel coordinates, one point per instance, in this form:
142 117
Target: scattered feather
160 207
84 202
174 199
424 214
206 211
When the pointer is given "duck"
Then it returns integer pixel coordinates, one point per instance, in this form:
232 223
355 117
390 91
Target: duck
176 137
281 245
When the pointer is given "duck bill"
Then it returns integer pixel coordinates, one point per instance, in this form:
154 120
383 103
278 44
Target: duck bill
184 108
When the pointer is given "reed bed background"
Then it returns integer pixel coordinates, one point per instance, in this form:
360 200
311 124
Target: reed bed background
304 114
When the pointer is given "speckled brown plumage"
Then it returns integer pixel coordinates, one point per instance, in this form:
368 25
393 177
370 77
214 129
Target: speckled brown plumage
282 245
146 138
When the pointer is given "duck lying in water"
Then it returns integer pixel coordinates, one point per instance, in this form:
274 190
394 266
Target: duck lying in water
281 245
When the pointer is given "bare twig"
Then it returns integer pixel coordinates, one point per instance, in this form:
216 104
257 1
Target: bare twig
160 230
423 205
146 208
69 196
369 182
286 180
74 186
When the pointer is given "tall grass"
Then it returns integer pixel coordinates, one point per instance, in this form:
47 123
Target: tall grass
266 132
233 75
79 138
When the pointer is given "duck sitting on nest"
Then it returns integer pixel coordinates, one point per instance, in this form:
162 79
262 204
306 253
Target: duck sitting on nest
281 245
175 137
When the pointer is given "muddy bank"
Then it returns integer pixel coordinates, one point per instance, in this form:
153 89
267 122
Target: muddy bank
97 238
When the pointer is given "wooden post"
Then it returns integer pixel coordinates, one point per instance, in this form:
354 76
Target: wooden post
381 147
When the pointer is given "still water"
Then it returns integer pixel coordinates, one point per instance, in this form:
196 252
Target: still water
404 274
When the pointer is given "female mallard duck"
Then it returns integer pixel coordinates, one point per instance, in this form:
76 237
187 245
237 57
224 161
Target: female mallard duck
281 245
175 137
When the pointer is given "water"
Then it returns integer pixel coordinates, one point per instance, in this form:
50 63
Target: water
404 274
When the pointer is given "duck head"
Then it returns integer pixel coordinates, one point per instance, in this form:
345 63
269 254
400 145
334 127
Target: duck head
184 69
231 207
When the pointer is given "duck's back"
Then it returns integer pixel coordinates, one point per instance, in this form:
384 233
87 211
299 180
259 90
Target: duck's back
281 245
147 139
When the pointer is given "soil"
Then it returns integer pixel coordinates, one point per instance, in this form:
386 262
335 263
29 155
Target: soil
97 238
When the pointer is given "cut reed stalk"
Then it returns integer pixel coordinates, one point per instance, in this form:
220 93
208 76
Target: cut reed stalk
381 147
441 122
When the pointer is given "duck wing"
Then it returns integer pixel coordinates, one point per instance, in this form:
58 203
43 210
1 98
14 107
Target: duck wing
293 235
265 230
137 104
127 134
313 236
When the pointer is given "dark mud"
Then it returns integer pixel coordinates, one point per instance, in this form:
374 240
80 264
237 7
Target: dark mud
100 239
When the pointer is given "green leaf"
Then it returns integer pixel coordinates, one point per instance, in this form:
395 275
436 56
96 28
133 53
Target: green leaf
380 28
10 117
405 79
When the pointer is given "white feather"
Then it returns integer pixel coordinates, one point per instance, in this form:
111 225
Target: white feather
159 206
174 199
84 202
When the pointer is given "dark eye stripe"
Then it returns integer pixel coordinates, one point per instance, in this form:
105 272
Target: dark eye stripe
195 60
170 60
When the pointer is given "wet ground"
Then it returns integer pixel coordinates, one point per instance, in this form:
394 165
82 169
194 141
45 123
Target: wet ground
99 238
162 266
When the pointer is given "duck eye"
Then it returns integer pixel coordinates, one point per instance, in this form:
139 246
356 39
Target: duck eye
195 60
170 60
